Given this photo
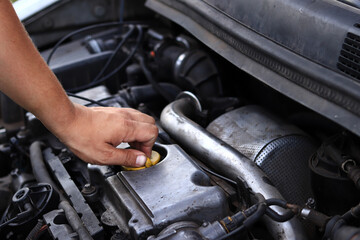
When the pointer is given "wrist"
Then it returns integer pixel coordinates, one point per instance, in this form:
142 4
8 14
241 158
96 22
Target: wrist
56 118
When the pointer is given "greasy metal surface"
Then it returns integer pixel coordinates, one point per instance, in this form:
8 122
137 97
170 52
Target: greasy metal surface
280 149
191 230
249 129
88 217
58 230
173 190
225 159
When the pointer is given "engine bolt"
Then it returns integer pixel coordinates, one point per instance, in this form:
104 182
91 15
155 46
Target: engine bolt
88 189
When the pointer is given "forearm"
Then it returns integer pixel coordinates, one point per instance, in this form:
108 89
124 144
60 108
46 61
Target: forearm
25 77
91 133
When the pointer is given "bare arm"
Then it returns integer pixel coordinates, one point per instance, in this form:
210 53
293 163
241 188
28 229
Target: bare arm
91 133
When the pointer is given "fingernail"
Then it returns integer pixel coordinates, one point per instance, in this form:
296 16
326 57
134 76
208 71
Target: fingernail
140 160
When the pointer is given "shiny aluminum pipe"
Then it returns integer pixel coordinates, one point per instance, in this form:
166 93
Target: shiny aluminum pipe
225 159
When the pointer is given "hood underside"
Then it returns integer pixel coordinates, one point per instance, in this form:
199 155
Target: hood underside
307 50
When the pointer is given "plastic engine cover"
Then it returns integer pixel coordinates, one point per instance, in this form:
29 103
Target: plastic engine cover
173 190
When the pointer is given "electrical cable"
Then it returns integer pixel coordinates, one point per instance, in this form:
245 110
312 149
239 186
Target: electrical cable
115 52
213 173
36 231
41 232
151 80
251 216
101 100
128 58
84 29
4 224
218 175
260 211
86 99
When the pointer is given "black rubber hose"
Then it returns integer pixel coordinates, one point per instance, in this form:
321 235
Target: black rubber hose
346 233
353 213
260 211
75 221
146 93
41 174
275 201
277 217
39 169
35 231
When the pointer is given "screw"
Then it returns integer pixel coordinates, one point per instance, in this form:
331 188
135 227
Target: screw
88 189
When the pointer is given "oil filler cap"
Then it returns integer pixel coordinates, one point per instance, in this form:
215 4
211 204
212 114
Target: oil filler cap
155 158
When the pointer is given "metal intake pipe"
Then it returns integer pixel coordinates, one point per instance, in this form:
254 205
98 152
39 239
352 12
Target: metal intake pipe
226 160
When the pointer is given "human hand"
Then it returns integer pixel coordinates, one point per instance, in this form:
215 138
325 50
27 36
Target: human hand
93 134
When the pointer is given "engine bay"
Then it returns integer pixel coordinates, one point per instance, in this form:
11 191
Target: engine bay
237 159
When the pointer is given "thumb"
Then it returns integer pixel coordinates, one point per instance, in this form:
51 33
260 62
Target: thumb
127 157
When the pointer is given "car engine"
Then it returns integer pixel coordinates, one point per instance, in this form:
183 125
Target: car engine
237 159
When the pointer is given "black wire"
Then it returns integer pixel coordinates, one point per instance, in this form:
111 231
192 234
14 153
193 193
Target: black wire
152 81
116 50
263 208
4 218
101 100
86 99
84 29
248 222
132 53
218 175
213 173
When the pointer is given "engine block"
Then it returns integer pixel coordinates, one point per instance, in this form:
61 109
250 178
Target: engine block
175 189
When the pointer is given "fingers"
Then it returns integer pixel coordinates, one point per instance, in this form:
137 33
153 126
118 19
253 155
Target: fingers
125 157
143 148
127 113
95 132
143 134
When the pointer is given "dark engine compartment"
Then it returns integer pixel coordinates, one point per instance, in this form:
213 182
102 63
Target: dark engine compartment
239 160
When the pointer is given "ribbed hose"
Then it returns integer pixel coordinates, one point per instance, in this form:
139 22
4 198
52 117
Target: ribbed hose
226 160
42 175
35 231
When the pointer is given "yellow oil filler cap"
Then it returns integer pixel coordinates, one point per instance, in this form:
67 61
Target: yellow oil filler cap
155 158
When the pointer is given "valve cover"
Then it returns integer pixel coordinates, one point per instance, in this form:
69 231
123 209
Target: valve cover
175 189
